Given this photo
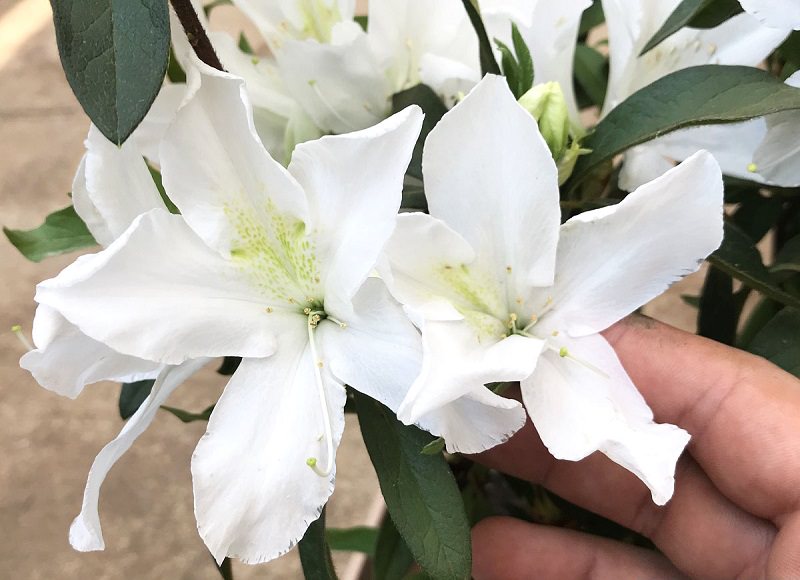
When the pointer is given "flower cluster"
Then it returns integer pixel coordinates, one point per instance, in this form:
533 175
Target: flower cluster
277 239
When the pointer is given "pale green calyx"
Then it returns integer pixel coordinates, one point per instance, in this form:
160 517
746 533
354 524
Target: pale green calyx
546 103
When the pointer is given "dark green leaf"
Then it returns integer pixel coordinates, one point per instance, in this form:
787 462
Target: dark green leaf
420 492
488 63
363 22
693 96
225 569
757 215
788 259
175 72
790 50
315 555
114 54
693 301
762 313
132 395
392 557
509 66
214 4
244 44
156 175
739 257
434 447
591 17
62 231
591 73
524 62
229 365
188 416
358 539
779 341
694 13
717 315
432 106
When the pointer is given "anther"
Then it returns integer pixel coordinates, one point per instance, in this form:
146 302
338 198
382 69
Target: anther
563 351
17 330
508 269
268 309
752 167
306 311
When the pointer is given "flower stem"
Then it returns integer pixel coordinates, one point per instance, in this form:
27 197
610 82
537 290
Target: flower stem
196 34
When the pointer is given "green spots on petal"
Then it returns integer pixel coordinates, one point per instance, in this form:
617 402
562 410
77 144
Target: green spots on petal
481 292
275 252
318 18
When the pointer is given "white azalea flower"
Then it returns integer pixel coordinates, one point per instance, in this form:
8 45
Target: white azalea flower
496 285
269 265
741 40
775 13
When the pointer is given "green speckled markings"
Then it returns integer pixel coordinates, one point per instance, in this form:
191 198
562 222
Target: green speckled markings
276 253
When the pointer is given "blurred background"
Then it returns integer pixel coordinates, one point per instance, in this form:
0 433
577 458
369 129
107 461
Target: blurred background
48 442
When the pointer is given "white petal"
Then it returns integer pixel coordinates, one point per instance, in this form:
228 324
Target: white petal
777 157
66 360
578 410
490 176
150 132
112 186
611 263
354 185
459 358
775 13
237 184
340 86
254 493
159 293
643 163
85 533
420 252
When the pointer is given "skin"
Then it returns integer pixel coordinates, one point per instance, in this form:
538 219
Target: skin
736 509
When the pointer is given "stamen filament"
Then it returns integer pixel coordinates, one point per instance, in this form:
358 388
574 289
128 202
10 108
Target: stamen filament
17 330
315 88
313 320
563 352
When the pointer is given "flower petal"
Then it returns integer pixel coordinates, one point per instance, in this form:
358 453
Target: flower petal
490 176
656 235
159 293
67 360
238 185
459 358
112 186
256 503
578 409
85 533
354 184
777 157
775 13
150 132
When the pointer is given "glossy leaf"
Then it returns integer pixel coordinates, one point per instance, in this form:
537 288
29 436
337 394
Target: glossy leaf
315 555
694 13
62 231
229 365
357 539
779 341
188 416
392 557
115 55
693 96
432 106
788 259
591 17
717 315
524 61
132 395
739 257
590 73
488 63
420 492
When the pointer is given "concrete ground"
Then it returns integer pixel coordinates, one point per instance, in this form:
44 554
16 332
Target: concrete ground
48 442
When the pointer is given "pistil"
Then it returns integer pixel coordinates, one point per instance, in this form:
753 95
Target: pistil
314 318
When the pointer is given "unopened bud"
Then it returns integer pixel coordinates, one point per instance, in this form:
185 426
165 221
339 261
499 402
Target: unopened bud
546 103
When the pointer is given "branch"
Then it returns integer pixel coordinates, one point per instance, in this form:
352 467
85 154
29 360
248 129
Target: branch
195 33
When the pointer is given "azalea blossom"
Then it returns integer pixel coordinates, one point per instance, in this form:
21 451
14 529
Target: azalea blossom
501 292
775 13
741 40
270 265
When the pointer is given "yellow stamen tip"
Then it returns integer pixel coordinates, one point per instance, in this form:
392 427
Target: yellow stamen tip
562 352
311 461
752 167
554 333
16 328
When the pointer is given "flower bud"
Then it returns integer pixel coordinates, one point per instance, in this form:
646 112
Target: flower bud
546 103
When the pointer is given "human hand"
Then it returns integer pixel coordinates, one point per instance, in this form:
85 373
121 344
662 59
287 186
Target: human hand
736 508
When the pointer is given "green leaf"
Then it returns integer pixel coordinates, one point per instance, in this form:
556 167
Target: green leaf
175 72
524 62
434 447
420 491
115 55
591 17
693 96
214 4
591 73
362 21
717 315
432 106
756 215
357 539
488 63
739 257
244 44
188 416
695 13
392 557
761 313
62 231
315 555
225 569
788 258
509 66
229 365
156 175
132 395
779 341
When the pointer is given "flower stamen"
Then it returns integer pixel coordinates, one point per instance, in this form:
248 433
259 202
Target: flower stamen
314 317
17 330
